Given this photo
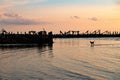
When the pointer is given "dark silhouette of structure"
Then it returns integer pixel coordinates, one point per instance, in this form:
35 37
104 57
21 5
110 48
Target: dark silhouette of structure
32 37
86 34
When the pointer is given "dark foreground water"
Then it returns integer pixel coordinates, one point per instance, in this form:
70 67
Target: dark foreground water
67 59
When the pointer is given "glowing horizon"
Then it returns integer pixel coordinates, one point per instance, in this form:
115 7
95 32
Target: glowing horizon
55 15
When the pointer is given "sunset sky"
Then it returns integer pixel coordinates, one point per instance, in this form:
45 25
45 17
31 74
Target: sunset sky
56 15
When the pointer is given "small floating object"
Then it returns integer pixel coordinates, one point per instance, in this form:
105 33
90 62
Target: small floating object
92 43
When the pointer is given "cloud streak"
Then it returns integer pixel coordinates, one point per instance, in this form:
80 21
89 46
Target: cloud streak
16 19
10 3
75 17
11 15
18 22
93 19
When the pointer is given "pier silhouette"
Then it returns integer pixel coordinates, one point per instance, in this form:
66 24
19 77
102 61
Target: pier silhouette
86 34
31 37
42 37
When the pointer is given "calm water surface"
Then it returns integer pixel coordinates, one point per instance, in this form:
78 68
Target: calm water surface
67 59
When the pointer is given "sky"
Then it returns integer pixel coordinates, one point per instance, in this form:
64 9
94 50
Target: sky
56 15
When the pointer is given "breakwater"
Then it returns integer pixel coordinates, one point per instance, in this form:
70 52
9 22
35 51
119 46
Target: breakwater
32 37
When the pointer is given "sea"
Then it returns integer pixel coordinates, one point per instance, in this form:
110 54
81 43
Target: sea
66 59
